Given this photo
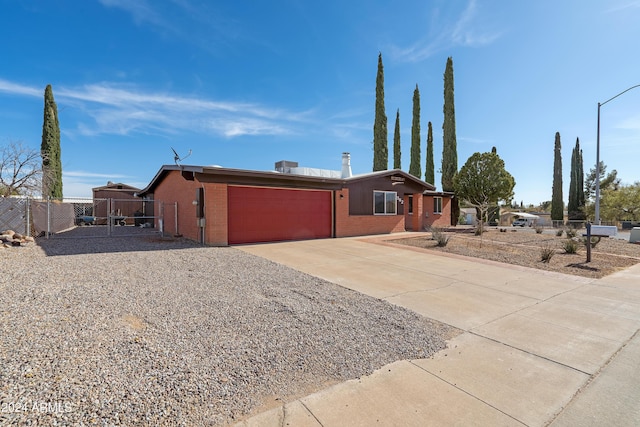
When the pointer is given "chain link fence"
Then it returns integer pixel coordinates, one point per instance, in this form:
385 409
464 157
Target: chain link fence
78 217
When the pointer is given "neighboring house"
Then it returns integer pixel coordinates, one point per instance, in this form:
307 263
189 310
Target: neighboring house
470 216
221 206
117 199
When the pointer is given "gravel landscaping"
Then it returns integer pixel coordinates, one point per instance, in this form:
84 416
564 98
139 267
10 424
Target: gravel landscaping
524 247
145 330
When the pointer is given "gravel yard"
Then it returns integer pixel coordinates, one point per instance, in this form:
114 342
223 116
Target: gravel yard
143 330
523 247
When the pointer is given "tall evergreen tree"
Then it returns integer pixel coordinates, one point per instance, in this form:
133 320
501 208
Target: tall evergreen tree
50 148
430 173
572 206
581 197
449 145
576 185
414 167
397 162
557 204
380 144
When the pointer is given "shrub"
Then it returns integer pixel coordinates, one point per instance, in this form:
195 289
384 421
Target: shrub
546 253
594 241
571 233
440 237
559 232
539 229
570 246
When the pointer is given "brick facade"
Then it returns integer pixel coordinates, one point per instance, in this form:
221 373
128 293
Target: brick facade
176 189
359 225
442 219
216 210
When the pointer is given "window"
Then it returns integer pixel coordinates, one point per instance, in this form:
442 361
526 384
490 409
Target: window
384 202
437 205
410 209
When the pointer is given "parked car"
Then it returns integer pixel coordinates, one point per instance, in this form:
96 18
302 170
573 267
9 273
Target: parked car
520 222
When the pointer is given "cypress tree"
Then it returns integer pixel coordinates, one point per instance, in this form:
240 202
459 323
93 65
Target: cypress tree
380 148
557 205
576 186
429 175
397 162
449 146
50 148
572 206
581 197
414 167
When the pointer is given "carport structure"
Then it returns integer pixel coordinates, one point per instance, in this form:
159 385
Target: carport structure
507 216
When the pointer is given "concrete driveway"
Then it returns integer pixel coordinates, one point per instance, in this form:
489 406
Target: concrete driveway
537 347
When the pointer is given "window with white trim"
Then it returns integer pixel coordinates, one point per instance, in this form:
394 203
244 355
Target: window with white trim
384 202
437 205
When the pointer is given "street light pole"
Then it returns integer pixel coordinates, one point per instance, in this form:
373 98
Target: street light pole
597 213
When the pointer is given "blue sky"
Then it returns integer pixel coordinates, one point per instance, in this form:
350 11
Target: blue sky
245 84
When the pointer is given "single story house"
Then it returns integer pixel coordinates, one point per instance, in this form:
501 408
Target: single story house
222 206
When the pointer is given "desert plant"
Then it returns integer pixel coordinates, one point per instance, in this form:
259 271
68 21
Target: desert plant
440 237
571 233
559 232
546 253
594 241
539 229
570 246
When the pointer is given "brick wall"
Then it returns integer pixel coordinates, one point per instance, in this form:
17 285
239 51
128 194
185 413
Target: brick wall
443 219
361 225
216 210
174 188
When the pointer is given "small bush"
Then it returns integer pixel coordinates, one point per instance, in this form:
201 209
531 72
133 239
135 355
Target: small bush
440 237
570 246
546 253
539 229
594 241
571 233
559 232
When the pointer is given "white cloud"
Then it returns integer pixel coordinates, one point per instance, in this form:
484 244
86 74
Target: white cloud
463 31
18 89
141 11
83 174
123 109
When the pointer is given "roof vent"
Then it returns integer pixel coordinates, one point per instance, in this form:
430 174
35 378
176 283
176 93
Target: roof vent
346 166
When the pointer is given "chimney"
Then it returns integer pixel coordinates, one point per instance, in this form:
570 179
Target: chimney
346 165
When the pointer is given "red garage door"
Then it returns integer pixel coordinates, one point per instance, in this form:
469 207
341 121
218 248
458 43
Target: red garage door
260 214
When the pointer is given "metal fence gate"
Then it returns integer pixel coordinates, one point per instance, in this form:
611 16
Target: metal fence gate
82 218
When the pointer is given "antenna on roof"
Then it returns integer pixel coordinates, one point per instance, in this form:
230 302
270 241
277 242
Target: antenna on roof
176 157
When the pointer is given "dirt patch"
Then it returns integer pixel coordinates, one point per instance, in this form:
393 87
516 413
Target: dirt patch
524 248
134 322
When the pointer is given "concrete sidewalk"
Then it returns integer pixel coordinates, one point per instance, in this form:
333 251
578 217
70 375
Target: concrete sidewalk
538 347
